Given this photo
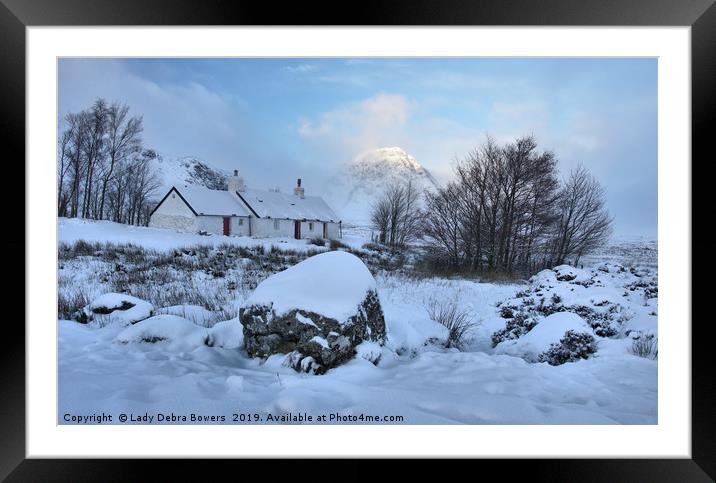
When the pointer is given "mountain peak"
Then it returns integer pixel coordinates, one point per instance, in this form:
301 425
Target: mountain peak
388 156
368 176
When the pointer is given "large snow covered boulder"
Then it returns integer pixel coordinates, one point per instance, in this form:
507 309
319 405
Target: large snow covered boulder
115 308
317 311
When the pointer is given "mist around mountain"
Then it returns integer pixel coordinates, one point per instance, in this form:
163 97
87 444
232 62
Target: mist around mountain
366 177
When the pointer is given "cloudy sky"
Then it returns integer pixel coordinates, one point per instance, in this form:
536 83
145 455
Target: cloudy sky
285 118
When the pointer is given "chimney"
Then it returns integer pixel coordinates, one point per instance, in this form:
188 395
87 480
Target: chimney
298 191
235 182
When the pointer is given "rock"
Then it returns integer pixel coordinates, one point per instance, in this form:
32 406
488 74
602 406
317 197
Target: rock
170 331
567 273
317 312
113 308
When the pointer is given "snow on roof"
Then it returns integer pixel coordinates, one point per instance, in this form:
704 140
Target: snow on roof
211 202
273 204
332 284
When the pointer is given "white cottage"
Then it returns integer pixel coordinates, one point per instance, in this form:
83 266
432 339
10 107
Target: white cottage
242 211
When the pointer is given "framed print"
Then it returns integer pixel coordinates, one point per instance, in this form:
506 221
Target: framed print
427 232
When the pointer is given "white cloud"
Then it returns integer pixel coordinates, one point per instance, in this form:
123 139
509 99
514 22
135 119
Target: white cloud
447 80
367 124
180 117
301 68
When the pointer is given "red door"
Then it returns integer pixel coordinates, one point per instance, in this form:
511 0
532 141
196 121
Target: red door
297 230
227 226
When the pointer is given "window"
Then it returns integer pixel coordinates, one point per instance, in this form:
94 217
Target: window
241 221
276 224
310 226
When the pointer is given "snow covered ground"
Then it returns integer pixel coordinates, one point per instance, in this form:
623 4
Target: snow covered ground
628 251
164 365
70 230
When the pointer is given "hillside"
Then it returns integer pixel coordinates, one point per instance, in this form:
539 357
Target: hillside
187 169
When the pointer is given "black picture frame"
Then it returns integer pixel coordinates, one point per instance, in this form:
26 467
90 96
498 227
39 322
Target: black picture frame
16 15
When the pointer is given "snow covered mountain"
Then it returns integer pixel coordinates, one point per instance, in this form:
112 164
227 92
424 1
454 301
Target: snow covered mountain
187 169
368 175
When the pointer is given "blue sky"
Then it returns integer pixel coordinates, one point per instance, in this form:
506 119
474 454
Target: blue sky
285 118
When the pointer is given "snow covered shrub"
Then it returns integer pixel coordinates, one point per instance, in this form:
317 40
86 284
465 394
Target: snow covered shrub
498 276
457 321
645 345
604 324
650 287
69 302
507 311
82 248
336 244
376 247
170 330
227 312
318 241
565 273
111 308
514 328
572 347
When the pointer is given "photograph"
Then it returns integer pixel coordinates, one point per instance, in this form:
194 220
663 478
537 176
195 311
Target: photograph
357 240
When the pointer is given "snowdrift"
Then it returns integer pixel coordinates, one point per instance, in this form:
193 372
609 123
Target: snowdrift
607 302
174 331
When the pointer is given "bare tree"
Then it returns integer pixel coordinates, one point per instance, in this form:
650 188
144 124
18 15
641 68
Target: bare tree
77 138
123 140
506 211
583 221
96 121
407 219
380 218
101 173
63 166
396 215
442 223
146 183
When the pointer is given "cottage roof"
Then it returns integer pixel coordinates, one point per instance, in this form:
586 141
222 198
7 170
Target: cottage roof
275 204
211 202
